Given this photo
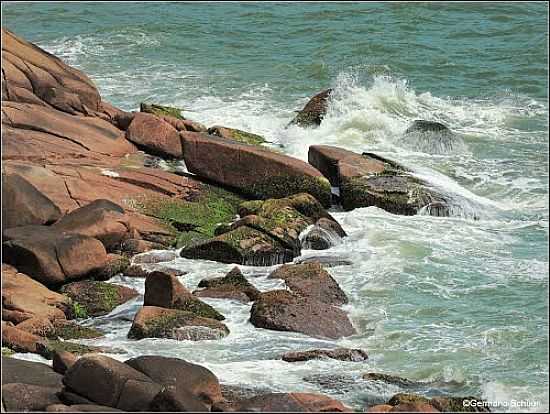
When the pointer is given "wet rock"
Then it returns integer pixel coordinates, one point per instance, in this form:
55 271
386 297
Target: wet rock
23 204
116 264
165 291
71 330
135 246
370 180
155 136
232 286
29 372
54 346
155 322
325 261
96 298
342 354
456 404
312 281
389 379
101 219
62 361
181 376
431 137
403 402
314 111
169 401
291 402
101 379
281 310
26 296
51 257
427 126
276 175
18 397
155 257
236 135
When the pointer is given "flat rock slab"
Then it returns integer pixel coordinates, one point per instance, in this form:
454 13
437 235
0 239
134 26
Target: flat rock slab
342 354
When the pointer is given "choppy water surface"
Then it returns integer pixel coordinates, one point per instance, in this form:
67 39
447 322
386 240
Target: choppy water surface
455 301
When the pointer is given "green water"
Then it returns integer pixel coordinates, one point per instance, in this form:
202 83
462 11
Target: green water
454 300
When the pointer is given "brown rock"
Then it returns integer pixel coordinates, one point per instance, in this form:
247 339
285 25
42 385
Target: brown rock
116 263
138 395
169 401
291 402
39 326
314 111
236 135
275 175
18 397
380 408
281 310
232 286
342 354
135 246
311 280
16 370
155 322
413 408
21 341
164 290
62 361
154 135
181 376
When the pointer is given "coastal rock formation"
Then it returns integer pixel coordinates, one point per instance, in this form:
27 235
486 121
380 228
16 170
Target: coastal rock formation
275 175
155 322
370 180
291 402
313 112
341 354
154 135
232 286
236 135
281 310
18 397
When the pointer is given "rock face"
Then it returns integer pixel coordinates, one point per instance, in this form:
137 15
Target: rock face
369 180
155 322
52 257
236 135
154 135
291 402
342 354
232 286
281 310
18 397
164 290
311 280
29 372
97 298
181 376
312 114
275 175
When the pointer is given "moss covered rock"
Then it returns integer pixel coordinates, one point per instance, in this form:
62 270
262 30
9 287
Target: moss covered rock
53 345
236 135
232 286
71 330
161 110
156 322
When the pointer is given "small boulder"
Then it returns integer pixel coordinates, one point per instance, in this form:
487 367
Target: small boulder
22 341
161 110
164 290
135 246
314 111
291 402
427 126
236 135
341 354
155 256
281 310
62 361
232 286
155 322
154 135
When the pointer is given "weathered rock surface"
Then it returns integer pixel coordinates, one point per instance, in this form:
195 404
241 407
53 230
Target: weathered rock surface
232 286
236 135
154 135
291 402
155 322
169 400
311 280
29 372
275 175
403 402
342 354
62 361
281 310
313 112
164 290
19 340
18 397
370 180
97 298
180 376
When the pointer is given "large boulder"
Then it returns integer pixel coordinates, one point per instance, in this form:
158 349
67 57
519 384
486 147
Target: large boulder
155 136
52 257
155 322
236 135
291 402
232 286
281 310
180 376
102 379
229 163
92 298
23 204
29 372
18 397
311 280
341 354
370 180
164 290
314 111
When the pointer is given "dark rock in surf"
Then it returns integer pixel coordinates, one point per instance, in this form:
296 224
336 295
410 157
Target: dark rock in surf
313 112
341 354
427 126
232 286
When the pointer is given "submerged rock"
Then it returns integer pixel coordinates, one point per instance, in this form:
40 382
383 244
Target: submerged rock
417 403
155 322
342 354
232 286
431 137
236 135
281 310
370 180
314 111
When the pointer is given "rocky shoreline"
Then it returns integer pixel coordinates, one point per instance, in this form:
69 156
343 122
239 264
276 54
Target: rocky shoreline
91 191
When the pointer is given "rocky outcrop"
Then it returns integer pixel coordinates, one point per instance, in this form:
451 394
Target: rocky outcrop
155 322
281 310
232 286
314 111
92 298
164 290
155 136
275 175
236 135
341 354
370 180
312 281
291 402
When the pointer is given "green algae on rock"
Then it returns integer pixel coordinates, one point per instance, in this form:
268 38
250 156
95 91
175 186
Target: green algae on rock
237 135
161 110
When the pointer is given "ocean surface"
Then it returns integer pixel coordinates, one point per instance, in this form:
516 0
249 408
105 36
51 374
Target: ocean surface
458 303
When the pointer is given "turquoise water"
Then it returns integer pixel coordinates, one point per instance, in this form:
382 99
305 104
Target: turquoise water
454 300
